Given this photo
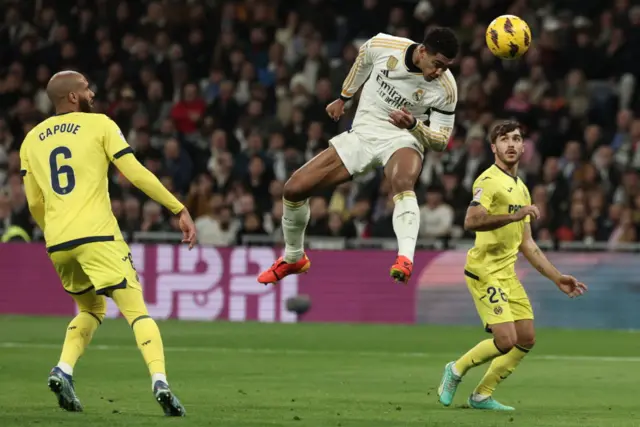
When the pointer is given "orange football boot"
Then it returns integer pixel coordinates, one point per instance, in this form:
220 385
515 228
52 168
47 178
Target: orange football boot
402 269
281 269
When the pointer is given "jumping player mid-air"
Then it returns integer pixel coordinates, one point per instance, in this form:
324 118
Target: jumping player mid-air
407 105
64 162
500 215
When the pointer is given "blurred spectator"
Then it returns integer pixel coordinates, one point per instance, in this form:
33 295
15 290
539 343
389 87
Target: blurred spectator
436 217
225 100
217 226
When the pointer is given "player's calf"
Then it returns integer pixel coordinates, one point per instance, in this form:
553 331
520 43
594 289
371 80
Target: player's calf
403 169
131 304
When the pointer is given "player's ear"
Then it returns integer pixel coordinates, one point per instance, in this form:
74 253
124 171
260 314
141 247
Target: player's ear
493 148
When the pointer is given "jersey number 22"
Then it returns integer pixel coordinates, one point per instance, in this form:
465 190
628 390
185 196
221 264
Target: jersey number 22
56 171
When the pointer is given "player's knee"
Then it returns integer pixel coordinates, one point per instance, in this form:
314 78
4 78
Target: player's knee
527 341
400 184
131 304
504 342
294 190
98 315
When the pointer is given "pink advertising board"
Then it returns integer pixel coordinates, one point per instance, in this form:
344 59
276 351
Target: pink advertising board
220 284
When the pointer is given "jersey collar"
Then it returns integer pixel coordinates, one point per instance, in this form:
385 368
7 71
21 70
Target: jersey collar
408 59
515 178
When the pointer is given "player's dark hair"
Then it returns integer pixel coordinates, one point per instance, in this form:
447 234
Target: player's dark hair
442 40
503 128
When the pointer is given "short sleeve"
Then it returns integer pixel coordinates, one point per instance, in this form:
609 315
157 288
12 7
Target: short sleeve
115 144
483 192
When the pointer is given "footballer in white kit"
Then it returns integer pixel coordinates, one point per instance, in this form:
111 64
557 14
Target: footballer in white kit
407 105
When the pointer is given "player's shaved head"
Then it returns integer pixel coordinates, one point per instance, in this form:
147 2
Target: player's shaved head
62 83
69 91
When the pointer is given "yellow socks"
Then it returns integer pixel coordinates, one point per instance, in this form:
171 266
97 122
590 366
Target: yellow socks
79 334
499 370
132 306
150 343
481 353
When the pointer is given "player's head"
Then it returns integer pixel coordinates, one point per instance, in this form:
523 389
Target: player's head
437 52
69 91
507 143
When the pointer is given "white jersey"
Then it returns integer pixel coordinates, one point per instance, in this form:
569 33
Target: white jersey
395 82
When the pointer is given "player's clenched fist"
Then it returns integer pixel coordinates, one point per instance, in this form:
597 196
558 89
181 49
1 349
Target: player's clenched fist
402 118
336 109
532 211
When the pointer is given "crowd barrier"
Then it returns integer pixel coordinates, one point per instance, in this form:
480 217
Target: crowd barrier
210 284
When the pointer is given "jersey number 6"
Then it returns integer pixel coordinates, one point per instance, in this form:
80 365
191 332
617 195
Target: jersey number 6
56 171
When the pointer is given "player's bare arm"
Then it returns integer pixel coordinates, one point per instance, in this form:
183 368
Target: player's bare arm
435 140
566 283
478 219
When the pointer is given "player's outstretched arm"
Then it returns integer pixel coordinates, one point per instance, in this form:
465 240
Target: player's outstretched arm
567 284
121 155
146 181
479 219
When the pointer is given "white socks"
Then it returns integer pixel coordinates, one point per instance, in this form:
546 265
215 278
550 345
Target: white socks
406 222
295 217
158 377
479 397
65 367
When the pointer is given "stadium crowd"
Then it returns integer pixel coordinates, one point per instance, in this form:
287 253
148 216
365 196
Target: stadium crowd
223 100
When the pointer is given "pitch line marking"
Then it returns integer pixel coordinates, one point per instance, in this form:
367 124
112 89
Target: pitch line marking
103 347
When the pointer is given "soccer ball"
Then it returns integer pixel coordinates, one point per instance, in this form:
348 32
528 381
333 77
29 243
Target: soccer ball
508 37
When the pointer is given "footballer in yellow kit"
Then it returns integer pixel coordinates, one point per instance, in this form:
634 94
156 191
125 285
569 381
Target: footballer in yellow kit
64 162
500 214
490 268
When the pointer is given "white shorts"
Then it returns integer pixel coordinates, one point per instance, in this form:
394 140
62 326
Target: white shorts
359 154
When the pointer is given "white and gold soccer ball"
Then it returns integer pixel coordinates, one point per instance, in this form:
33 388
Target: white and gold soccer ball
508 37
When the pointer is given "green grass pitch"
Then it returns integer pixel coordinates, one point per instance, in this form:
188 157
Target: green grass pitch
256 375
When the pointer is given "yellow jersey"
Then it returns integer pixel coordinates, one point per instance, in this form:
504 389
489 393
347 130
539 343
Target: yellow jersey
68 156
495 252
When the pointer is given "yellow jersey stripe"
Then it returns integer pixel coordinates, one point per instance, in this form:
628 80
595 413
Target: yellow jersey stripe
293 205
353 73
452 85
404 195
448 90
390 44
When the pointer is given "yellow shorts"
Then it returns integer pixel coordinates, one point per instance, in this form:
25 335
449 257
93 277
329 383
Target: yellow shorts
103 266
499 300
